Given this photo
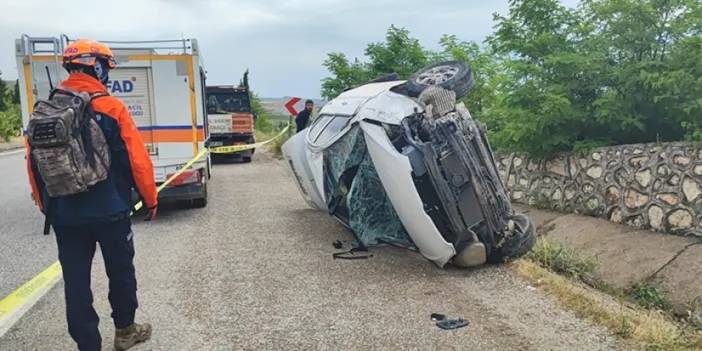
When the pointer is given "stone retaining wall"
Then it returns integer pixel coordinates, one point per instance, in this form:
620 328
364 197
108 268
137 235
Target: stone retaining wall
651 186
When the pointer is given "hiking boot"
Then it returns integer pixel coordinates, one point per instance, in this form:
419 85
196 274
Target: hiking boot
132 335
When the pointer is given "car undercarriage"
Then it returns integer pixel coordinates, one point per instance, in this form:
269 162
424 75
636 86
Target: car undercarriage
410 167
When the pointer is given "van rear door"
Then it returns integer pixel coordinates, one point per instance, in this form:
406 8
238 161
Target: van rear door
132 85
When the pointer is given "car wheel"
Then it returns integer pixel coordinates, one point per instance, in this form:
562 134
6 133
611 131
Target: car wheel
246 159
450 75
519 243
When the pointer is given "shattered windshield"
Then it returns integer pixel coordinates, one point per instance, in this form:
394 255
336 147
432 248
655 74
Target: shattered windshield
356 194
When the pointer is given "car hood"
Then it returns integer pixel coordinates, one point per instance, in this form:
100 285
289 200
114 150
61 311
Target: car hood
388 107
373 101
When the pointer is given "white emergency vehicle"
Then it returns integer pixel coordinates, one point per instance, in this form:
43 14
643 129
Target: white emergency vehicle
162 83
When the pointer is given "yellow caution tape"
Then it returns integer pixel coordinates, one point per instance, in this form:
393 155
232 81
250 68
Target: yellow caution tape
215 150
13 306
189 164
238 148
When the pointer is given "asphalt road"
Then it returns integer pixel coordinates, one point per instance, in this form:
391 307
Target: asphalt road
254 271
24 251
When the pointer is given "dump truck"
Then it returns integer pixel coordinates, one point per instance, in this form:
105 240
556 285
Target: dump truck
162 84
231 120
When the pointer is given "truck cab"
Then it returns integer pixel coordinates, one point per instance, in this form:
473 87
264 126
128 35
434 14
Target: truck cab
230 120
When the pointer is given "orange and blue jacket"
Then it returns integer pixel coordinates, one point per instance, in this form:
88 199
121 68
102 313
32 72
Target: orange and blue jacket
131 166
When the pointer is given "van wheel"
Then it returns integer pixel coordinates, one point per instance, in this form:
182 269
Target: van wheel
209 167
450 75
199 203
202 201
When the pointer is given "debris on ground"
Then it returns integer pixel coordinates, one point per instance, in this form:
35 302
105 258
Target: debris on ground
437 317
450 324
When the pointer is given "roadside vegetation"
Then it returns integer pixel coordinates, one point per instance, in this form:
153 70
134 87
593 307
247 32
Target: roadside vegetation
553 78
269 125
10 118
561 259
640 315
651 296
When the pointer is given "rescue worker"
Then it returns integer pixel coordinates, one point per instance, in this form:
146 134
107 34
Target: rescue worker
100 215
304 116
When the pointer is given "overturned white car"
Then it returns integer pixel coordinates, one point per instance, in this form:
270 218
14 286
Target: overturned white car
400 163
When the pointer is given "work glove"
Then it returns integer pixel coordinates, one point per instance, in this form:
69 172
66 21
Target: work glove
151 214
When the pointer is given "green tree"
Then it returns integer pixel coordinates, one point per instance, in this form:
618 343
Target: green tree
263 117
244 82
545 97
3 94
345 74
487 75
606 73
10 122
16 93
399 53
553 78
651 81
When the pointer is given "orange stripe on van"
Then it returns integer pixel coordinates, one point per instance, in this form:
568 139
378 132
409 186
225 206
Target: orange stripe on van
171 136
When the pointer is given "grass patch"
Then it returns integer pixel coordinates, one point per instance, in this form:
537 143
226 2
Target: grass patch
275 145
649 295
561 259
652 329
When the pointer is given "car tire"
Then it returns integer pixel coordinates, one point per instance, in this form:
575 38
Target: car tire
451 75
522 240
246 159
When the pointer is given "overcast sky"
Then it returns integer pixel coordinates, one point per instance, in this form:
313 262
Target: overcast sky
282 42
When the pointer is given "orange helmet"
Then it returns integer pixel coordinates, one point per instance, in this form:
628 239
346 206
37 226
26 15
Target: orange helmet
85 52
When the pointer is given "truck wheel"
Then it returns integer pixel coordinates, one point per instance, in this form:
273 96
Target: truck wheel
450 75
518 244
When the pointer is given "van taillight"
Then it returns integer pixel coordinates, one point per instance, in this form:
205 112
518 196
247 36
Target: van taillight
187 177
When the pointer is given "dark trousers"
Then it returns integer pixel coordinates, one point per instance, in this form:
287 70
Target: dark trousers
76 247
